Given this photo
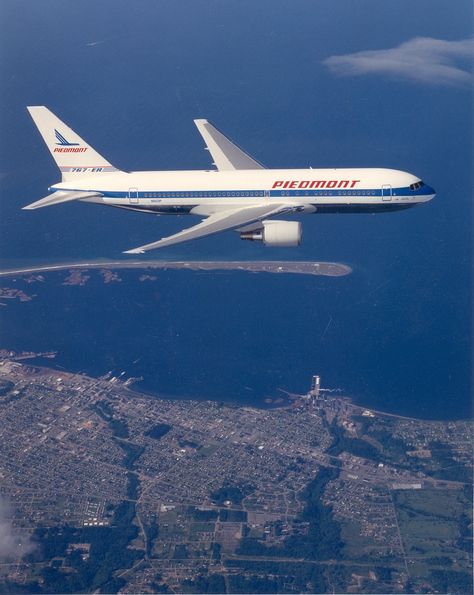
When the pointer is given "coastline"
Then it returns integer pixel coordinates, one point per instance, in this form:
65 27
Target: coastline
130 385
329 269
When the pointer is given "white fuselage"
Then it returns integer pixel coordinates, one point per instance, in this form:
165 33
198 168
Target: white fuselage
241 195
207 192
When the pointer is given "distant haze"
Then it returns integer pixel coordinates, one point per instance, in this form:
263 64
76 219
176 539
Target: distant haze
14 543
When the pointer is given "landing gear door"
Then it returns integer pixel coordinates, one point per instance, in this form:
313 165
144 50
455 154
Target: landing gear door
386 192
133 196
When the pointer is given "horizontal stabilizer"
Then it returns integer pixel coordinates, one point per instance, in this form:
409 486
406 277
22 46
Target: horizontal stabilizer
226 154
58 197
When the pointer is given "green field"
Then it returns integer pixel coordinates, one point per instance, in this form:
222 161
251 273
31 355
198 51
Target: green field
356 545
431 525
202 527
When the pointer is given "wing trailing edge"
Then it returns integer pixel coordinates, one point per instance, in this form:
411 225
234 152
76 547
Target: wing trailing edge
221 221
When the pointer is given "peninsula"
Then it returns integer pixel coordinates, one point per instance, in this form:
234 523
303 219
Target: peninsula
328 269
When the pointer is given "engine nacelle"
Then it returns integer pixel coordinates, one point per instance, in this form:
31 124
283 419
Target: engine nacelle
284 234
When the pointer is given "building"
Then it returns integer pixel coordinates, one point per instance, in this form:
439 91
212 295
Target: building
315 386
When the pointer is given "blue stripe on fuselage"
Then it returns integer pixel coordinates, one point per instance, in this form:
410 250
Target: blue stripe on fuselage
160 194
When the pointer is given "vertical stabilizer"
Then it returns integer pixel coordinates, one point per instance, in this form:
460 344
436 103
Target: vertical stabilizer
72 154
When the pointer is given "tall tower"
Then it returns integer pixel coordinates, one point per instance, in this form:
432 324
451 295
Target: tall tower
315 386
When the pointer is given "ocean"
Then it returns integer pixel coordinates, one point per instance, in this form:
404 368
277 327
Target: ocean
241 337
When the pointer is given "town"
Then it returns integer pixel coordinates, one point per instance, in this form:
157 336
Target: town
190 495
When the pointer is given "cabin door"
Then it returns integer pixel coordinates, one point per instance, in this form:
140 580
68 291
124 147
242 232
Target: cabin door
133 196
386 192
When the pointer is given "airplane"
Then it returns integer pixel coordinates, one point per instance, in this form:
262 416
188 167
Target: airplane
240 194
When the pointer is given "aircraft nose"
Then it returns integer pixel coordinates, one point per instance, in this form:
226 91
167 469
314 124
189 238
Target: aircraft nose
430 191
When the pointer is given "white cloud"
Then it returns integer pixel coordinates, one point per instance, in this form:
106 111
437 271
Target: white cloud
422 59
14 543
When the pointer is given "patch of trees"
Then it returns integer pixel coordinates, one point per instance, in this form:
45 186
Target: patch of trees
152 532
180 552
233 493
14 588
216 551
210 583
53 542
157 587
450 581
451 469
158 431
183 443
252 584
5 387
365 423
104 410
132 453
119 428
133 484
464 541
384 574
323 539
355 446
439 561
108 553
394 448
290 577
10 397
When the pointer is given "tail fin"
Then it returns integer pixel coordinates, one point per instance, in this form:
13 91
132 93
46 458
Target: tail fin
72 154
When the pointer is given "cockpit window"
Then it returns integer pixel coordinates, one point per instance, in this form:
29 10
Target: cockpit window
416 185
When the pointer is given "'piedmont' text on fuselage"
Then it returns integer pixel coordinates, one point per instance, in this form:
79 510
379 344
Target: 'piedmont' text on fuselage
315 184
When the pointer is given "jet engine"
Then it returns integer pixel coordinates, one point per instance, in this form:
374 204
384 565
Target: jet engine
275 233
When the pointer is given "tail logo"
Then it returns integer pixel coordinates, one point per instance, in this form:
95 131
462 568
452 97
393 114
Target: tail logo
62 141
65 146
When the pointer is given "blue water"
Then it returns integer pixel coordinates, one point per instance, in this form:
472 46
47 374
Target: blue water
399 329
242 336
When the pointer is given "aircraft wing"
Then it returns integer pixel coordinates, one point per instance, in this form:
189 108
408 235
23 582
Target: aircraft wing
60 196
222 221
226 155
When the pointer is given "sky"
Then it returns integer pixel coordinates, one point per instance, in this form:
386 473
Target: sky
295 83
